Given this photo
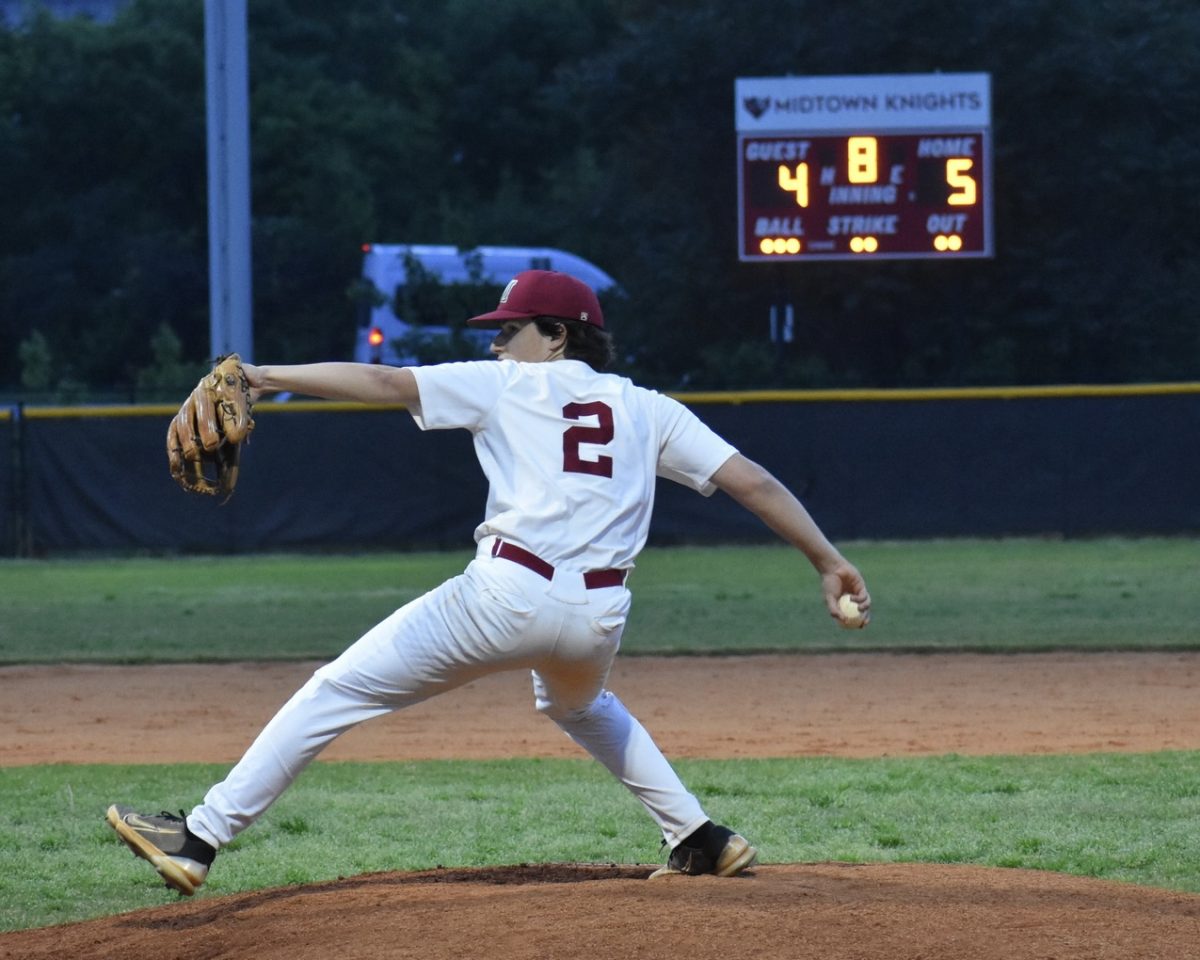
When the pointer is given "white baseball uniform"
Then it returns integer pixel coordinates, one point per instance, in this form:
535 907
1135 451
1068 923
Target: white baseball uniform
571 456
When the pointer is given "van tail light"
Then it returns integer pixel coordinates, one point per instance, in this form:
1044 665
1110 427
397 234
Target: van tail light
375 337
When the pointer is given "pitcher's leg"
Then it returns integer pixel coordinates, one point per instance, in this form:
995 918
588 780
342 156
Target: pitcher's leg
611 734
317 713
425 648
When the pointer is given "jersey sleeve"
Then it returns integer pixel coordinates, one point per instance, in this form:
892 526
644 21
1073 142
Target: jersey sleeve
690 451
458 394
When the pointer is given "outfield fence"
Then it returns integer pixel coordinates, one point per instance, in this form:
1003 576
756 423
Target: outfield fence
8 482
909 464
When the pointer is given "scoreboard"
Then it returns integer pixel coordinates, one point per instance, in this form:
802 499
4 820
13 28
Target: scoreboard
867 167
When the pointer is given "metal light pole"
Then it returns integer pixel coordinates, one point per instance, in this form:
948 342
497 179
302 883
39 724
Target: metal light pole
231 326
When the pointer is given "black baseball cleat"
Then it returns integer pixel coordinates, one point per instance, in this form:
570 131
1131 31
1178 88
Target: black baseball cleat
710 849
181 858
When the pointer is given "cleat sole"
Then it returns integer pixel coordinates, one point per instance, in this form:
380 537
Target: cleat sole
737 856
172 873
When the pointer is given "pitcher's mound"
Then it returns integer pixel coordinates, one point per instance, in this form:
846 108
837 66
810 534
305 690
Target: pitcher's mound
827 911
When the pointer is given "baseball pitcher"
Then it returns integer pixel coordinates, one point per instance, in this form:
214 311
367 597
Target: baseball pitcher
571 455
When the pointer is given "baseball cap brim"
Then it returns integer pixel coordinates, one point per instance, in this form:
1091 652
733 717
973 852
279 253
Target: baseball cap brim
498 317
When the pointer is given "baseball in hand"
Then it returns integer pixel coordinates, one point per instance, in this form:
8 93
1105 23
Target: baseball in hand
852 617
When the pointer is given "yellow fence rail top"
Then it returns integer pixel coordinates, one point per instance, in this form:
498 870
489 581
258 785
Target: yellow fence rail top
1063 391
940 393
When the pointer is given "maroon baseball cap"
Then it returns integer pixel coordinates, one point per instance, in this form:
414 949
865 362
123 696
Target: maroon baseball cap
544 293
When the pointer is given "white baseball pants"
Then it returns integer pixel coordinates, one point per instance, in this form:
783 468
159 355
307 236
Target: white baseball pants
495 616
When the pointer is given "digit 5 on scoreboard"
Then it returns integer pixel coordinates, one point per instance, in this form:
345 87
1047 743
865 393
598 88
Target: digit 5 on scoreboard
892 179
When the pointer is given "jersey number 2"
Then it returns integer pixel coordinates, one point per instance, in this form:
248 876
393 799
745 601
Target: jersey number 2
599 435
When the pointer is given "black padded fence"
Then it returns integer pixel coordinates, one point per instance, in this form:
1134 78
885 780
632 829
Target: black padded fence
311 476
9 458
906 465
953 464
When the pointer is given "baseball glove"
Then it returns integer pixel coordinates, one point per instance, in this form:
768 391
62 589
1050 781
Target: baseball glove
204 440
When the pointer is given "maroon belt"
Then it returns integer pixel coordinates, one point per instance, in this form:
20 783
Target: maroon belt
593 579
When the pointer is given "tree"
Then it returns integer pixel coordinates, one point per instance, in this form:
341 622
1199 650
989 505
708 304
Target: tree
604 127
168 376
37 363
104 184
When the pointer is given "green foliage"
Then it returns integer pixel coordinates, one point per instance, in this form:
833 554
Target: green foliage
951 595
424 347
103 165
42 378
424 302
37 363
169 376
603 127
1121 817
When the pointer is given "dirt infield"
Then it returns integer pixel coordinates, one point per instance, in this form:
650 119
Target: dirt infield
838 705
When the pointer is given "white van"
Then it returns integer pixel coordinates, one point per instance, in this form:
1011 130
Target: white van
481 273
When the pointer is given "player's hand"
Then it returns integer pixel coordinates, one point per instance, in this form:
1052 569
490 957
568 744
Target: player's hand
254 378
843 579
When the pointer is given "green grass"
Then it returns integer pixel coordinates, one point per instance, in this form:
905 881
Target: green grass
1122 817
155 609
1001 595
983 595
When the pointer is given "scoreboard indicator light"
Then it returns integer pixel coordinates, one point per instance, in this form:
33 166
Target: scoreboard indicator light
864 167
947 244
779 245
